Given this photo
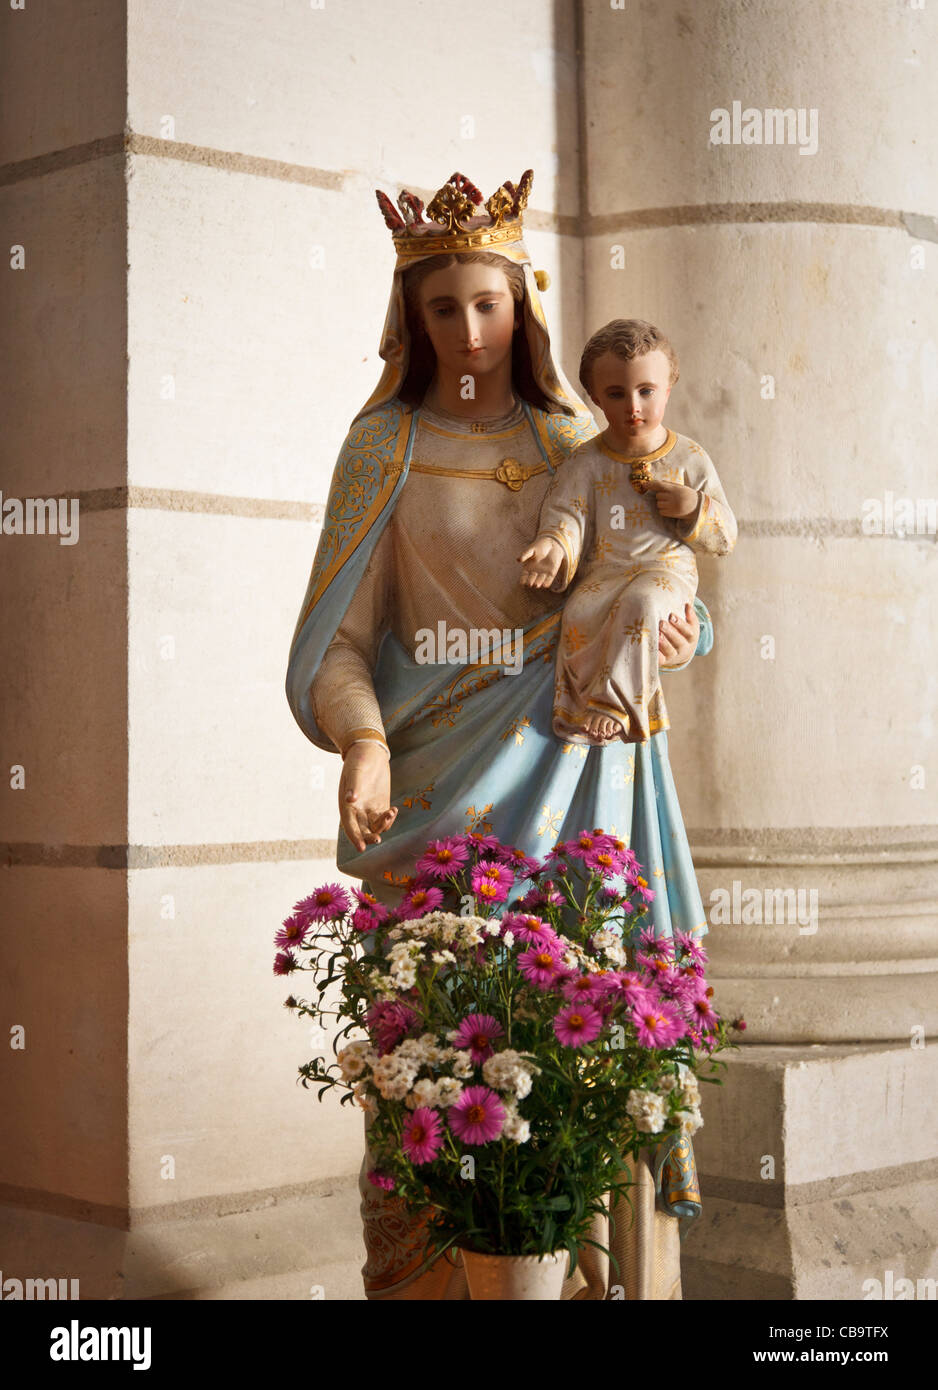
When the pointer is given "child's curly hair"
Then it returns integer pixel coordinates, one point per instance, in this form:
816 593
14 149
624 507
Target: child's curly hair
626 338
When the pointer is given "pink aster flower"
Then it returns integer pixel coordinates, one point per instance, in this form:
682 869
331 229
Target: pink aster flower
388 1022
578 1024
371 904
442 858
364 920
587 988
541 966
418 902
632 988
652 945
328 902
659 1025
587 842
381 1180
641 888
702 1014
520 863
689 945
478 843
477 1032
292 932
490 881
541 897
285 962
602 861
527 926
675 985
423 1135
477 1116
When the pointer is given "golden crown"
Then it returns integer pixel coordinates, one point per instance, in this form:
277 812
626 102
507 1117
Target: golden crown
454 224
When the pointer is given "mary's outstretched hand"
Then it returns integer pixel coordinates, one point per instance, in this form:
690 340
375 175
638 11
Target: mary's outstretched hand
677 639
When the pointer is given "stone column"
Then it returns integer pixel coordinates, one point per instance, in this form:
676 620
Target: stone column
797 281
205 275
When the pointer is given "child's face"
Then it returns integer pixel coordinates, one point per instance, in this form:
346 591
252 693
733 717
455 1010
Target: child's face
470 317
632 395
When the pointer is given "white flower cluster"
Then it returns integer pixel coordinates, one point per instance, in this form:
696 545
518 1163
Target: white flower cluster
515 1128
648 1110
403 968
610 943
355 1057
509 1071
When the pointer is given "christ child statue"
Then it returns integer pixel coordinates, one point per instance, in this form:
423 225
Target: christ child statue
627 511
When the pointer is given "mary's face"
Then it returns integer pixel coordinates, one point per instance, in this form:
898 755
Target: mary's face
470 317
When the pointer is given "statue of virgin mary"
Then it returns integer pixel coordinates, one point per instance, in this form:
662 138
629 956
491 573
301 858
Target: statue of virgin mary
428 512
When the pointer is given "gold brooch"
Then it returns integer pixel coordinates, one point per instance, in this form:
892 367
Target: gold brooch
512 473
640 476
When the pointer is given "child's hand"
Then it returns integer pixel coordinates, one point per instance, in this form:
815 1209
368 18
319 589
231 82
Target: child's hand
674 499
542 561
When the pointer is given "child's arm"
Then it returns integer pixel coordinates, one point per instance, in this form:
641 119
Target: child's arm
561 532
703 517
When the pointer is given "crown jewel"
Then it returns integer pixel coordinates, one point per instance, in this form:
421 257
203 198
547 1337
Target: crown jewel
454 224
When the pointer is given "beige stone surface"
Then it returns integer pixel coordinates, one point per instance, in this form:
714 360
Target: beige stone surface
657 70
743 303
63 631
213 1054
64 981
63 330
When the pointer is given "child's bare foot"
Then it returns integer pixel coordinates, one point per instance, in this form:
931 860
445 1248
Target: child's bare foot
600 728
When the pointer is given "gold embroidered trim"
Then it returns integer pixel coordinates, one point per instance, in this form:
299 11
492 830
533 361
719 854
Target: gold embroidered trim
511 472
477 429
666 448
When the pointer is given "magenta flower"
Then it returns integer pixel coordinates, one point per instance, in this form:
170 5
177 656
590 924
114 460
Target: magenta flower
477 1032
285 962
522 864
418 902
363 919
526 926
652 945
381 1180
540 897
578 1024
442 858
480 844
586 842
328 902
658 1025
292 932
370 902
587 988
702 1014
423 1135
641 887
540 966
690 946
603 861
677 986
490 881
388 1022
477 1116
631 987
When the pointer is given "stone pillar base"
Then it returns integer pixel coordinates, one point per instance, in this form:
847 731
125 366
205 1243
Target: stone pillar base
819 1175
287 1249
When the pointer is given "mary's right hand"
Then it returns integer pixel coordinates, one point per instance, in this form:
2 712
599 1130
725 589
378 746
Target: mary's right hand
365 794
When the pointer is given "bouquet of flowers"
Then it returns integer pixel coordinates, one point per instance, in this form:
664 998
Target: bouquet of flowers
517 1031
